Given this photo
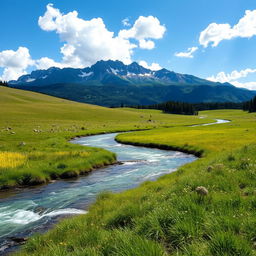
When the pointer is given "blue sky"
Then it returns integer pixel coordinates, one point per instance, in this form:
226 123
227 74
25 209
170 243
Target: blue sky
159 32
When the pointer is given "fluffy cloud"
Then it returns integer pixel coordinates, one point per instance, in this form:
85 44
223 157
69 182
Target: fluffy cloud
187 54
235 75
15 63
146 44
84 42
154 66
246 85
45 63
215 33
144 28
87 41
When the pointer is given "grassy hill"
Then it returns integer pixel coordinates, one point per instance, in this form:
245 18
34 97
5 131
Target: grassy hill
35 129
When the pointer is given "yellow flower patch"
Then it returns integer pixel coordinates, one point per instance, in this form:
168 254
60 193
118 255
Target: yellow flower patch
11 159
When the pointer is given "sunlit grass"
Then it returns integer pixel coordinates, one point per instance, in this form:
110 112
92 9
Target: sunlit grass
11 159
168 217
39 167
206 139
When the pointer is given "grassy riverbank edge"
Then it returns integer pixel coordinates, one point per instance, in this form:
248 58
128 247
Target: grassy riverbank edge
185 149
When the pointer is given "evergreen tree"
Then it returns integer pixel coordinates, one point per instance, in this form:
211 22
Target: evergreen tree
250 106
3 83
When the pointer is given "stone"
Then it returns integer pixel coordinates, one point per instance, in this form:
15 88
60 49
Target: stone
202 191
210 168
19 240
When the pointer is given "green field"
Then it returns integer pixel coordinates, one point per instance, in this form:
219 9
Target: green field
35 129
205 139
168 217
165 217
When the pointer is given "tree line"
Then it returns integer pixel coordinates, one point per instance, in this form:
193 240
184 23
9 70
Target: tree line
3 83
183 108
172 107
218 105
250 105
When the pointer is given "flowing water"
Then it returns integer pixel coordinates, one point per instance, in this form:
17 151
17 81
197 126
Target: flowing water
36 209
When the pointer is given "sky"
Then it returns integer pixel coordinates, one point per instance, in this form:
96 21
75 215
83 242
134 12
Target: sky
210 39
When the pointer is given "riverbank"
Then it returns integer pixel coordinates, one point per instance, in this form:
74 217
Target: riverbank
171 216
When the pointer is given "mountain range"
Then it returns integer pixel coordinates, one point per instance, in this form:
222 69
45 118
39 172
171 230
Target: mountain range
112 83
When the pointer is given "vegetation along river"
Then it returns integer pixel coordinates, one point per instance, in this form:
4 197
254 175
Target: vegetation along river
36 209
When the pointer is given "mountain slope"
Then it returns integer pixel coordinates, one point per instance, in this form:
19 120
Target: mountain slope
111 83
115 95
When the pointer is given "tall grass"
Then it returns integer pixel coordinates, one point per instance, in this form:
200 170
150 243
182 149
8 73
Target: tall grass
40 167
168 216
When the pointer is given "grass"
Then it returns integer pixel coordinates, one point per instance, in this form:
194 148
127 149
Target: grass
11 160
36 128
202 139
168 216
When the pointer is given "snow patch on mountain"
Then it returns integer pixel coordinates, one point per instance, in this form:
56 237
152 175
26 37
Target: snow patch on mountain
84 74
115 71
29 80
146 75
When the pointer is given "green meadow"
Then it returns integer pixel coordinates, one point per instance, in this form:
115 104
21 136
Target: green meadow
168 216
204 140
35 130
165 217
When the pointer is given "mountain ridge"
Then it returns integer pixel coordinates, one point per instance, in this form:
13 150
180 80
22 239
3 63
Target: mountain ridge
101 70
112 83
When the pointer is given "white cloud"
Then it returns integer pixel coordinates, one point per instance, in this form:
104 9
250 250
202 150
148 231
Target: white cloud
84 42
87 41
232 78
187 54
246 85
144 28
15 63
215 33
126 22
45 63
154 66
147 44
234 75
